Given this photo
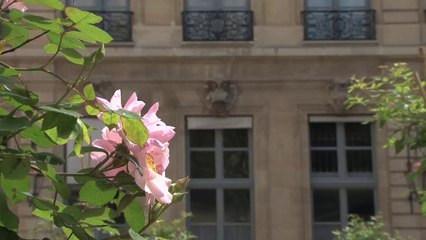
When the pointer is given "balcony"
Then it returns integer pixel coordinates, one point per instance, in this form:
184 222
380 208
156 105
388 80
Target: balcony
117 23
217 25
339 25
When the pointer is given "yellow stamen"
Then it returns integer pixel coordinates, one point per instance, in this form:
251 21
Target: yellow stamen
150 162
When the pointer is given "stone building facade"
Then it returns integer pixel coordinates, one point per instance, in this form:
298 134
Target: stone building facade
255 91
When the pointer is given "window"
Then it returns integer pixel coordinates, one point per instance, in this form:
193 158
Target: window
221 189
116 14
342 174
217 20
339 20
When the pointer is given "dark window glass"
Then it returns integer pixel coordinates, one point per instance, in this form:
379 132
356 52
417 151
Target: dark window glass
237 205
323 134
235 138
202 164
236 164
361 202
201 138
203 205
237 232
357 134
359 161
324 161
326 205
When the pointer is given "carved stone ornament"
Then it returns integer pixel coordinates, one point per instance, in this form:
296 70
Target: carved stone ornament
219 98
338 95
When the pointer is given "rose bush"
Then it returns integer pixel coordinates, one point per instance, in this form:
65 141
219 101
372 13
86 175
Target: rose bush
127 175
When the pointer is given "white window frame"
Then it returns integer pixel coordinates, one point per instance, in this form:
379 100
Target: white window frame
217 5
220 183
343 181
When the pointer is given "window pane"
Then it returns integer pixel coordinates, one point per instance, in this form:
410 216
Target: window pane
236 164
323 134
235 138
116 5
360 4
324 161
203 205
237 205
204 232
359 161
235 5
324 231
86 4
319 3
361 202
200 4
201 138
237 232
326 205
202 164
357 134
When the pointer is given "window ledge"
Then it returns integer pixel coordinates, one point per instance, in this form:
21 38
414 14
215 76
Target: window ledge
218 44
340 42
121 44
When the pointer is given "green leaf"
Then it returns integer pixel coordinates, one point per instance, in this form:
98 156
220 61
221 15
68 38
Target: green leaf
110 119
44 205
89 92
135 236
55 4
8 234
56 109
91 110
58 127
66 42
9 124
134 215
96 193
127 114
72 56
57 180
79 16
73 211
36 135
43 23
135 130
48 158
9 72
50 48
14 34
94 32
85 131
80 36
21 96
76 99
7 218
124 202
15 178
15 15
78 144
5 80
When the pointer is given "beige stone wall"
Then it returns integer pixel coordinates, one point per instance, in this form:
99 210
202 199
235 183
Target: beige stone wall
282 79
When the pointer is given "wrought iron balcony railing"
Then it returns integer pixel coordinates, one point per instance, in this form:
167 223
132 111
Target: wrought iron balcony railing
217 25
117 23
339 25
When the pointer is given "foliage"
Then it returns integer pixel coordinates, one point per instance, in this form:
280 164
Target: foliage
359 229
171 229
124 173
397 99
